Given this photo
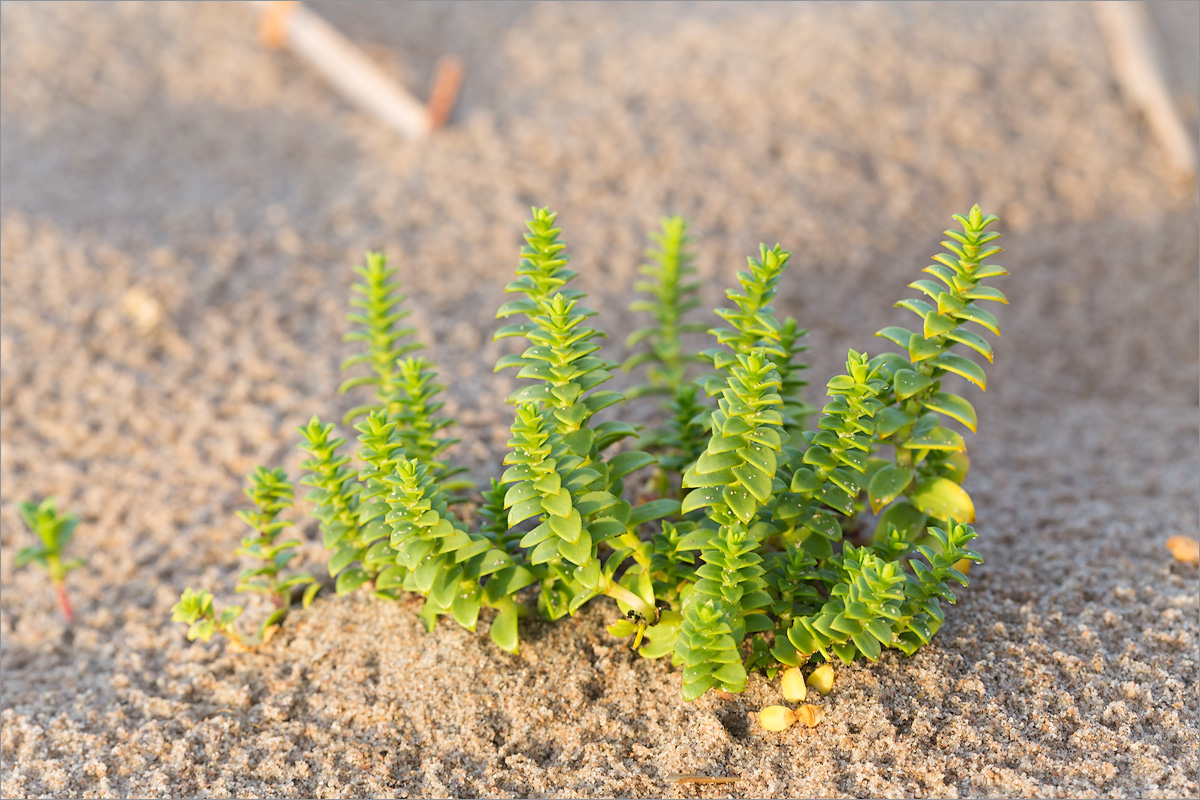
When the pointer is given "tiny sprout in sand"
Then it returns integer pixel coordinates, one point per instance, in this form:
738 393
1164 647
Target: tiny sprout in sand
746 530
55 531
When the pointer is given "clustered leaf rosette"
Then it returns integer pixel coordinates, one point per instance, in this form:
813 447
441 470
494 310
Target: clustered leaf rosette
559 475
660 352
438 557
418 424
195 609
55 531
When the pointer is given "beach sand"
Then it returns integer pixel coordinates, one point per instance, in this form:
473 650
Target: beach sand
181 210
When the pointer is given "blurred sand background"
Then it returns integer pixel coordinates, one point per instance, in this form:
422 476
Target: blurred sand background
181 208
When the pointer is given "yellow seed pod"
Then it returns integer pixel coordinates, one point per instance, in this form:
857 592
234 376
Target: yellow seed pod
776 718
792 685
1185 549
809 716
821 679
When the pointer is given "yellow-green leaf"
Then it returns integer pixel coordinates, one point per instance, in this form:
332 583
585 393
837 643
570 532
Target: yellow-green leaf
961 366
944 499
954 407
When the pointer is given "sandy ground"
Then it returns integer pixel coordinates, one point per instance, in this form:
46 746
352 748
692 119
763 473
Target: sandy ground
180 212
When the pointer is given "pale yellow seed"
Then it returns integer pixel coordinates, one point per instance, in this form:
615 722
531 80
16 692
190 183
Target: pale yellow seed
776 718
1185 549
792 685
810 716
821 679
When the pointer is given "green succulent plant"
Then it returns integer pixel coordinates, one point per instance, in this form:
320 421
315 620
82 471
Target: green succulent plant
271 492
758 542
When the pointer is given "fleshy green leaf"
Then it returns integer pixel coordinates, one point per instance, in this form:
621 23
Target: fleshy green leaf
887 484
942 498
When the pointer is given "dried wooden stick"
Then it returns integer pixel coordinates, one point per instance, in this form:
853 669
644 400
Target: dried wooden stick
676 777
442 94
1135 55
344 66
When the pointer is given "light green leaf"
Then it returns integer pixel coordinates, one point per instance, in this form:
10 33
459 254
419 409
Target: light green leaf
350 580
504 627
755 481
740 502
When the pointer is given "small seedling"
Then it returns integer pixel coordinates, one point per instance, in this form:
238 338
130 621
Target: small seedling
271 493
55 531
195 609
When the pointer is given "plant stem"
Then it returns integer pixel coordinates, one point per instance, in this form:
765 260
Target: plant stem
64 603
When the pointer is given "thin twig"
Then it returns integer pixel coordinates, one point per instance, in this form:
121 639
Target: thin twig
677 777
444 90
1135 54
345 66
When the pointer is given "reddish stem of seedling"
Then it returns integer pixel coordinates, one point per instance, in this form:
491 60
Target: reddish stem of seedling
64 603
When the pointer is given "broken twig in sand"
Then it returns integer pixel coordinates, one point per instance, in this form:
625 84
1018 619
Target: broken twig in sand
359 79
677 777
1135 54
444 90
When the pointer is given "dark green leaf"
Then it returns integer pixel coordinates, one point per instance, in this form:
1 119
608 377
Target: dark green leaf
887 484
625 463
654 509
891 420
351 579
